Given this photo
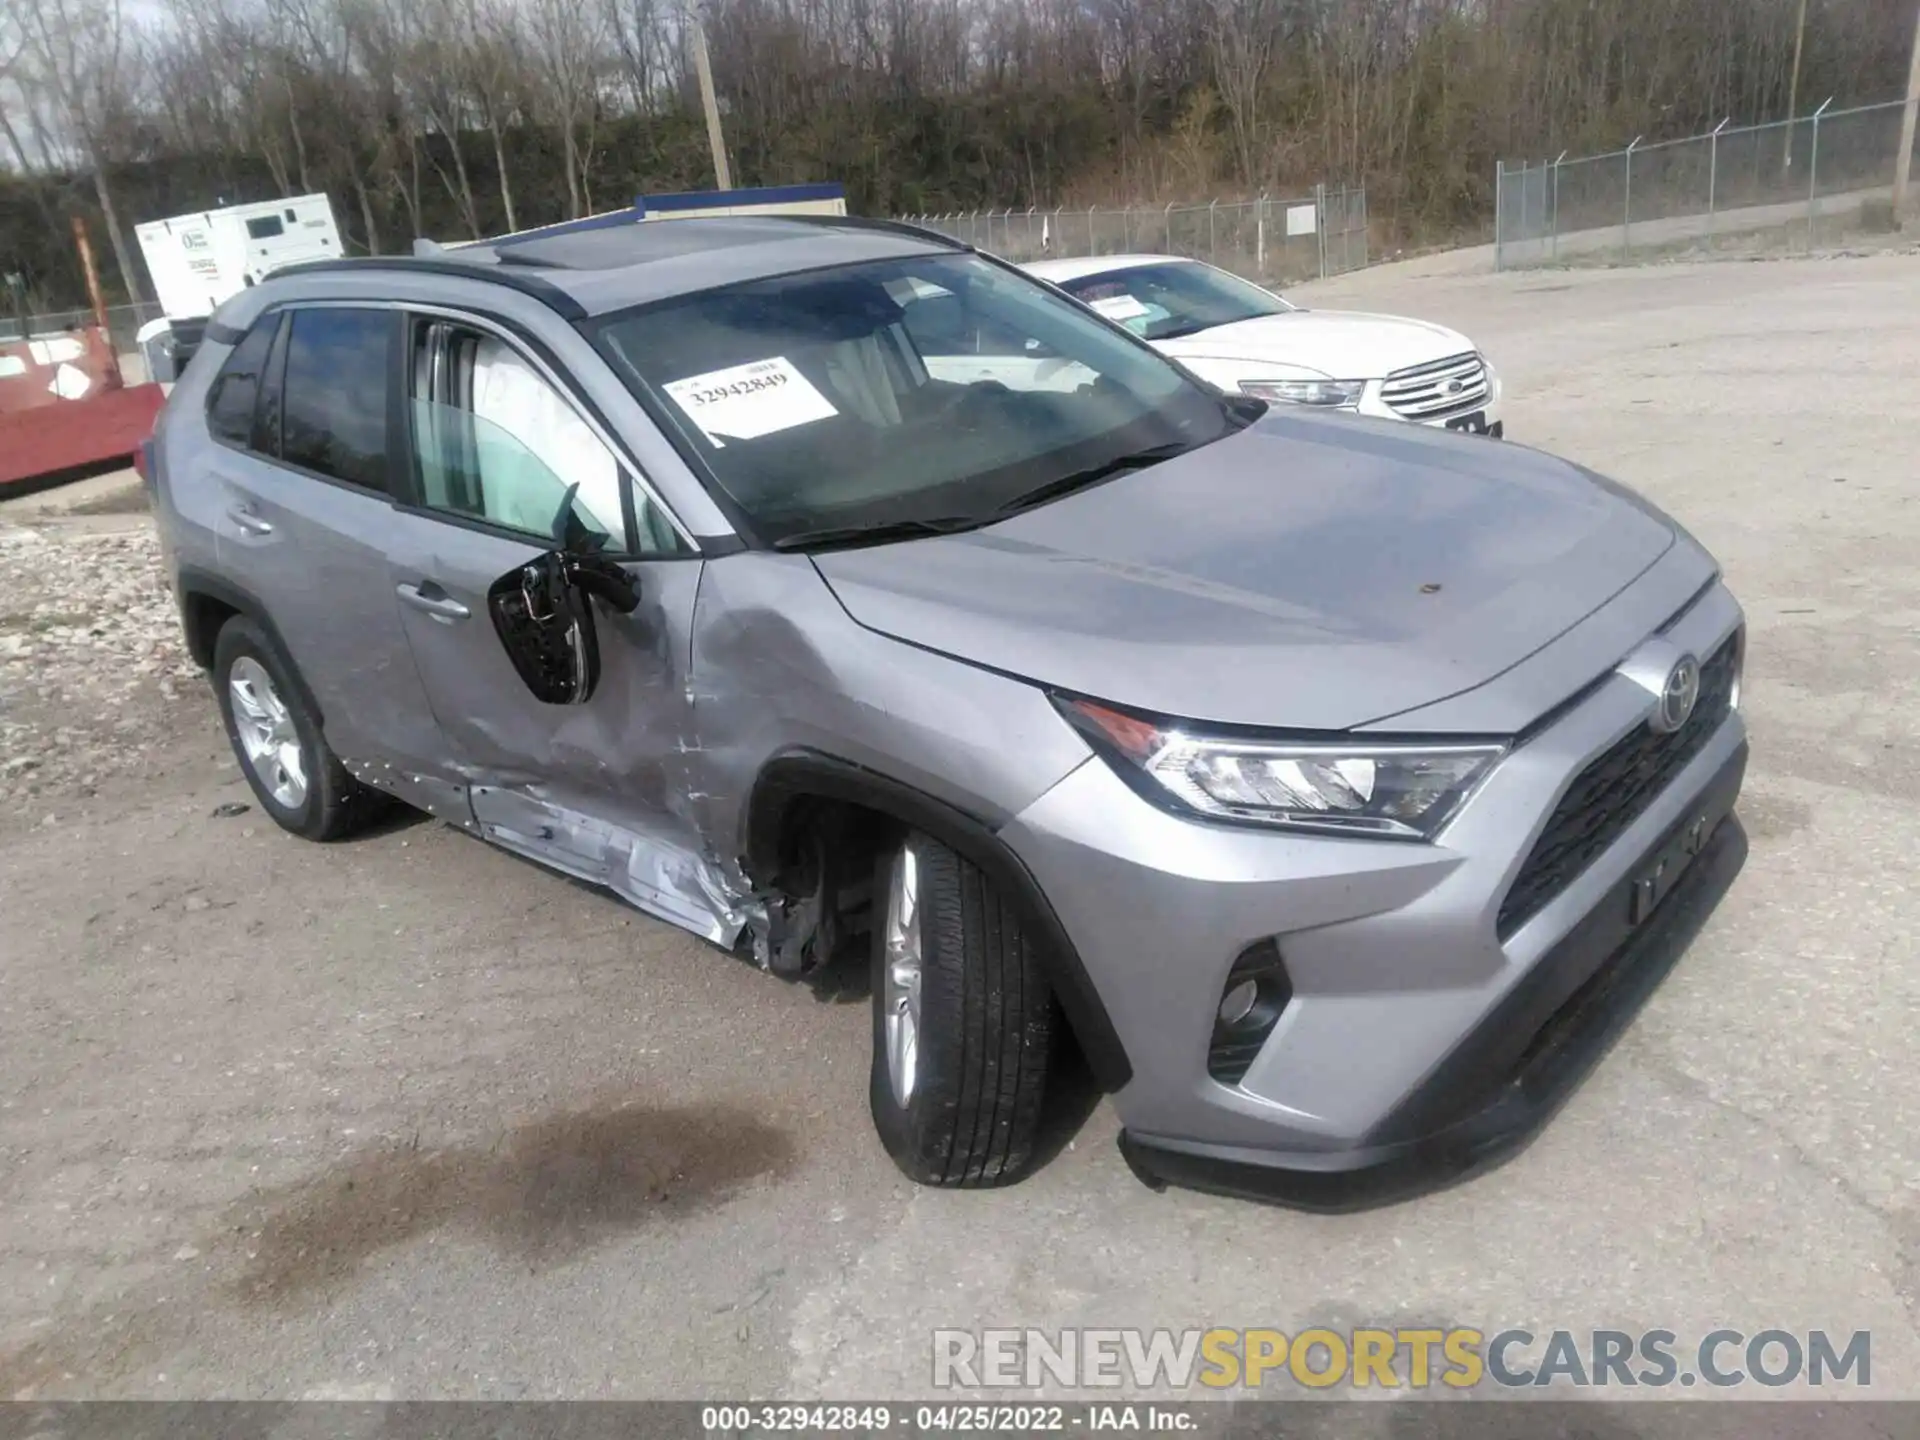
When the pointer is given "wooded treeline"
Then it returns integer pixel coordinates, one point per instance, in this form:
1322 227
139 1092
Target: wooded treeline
452 118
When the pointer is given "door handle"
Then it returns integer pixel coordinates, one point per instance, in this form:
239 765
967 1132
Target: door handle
436 602
248 521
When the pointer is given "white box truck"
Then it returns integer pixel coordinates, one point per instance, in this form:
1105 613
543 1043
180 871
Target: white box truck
197 261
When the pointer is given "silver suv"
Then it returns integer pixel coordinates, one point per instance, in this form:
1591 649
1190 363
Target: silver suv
1335 788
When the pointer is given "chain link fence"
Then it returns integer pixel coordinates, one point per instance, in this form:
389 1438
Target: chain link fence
1268 239
1792 184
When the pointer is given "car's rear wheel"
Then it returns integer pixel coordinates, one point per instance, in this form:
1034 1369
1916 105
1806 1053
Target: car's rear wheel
295 776
963 1020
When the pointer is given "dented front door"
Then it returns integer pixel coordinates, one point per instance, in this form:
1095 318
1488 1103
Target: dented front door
597 789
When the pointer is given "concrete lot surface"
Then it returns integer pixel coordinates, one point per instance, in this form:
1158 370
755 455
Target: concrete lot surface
408 1117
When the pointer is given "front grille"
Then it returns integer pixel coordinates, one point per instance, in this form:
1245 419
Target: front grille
1437 389
1614 791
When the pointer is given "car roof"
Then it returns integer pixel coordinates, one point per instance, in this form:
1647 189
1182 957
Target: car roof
591 271
1058 270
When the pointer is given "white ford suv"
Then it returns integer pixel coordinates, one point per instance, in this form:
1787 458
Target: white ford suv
1241 338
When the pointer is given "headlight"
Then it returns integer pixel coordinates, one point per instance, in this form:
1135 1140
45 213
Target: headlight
1329 394
1354 788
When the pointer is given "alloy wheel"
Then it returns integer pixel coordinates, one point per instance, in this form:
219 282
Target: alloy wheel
267 735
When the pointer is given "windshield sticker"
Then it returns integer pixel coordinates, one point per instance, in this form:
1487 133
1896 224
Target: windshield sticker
904 289
1119 307
748 401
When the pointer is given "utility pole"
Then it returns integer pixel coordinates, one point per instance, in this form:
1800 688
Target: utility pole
1793 87
1905 160
716 142
97 300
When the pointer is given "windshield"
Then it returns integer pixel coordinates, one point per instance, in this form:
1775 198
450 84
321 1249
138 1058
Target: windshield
1162 302
940 389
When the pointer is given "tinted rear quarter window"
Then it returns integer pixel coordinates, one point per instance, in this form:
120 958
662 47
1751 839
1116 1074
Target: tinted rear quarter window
235 389
266 414
334 406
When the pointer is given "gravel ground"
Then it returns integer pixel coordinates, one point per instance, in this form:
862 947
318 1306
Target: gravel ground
95 684
409 1117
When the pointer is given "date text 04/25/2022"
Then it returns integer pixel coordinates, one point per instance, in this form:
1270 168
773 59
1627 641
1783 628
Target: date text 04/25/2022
946 1418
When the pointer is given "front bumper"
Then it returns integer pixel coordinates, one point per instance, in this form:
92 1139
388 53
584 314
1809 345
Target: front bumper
1484 419
1507 1078
1417 1043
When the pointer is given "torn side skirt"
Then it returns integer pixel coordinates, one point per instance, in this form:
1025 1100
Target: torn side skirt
443 799
690 890
666 879
669 881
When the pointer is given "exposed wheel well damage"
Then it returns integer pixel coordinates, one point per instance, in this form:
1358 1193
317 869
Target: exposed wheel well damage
815 863
816 825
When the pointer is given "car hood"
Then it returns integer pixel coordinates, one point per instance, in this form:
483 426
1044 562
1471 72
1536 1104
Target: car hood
1310 572
1342 345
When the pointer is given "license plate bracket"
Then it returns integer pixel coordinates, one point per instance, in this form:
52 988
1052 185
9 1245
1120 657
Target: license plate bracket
1474 422
1660 871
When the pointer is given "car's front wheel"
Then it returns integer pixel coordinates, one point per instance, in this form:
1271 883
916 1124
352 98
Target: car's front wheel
295 776
963 1020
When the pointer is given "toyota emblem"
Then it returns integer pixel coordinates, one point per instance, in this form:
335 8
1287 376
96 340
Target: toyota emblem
1678 696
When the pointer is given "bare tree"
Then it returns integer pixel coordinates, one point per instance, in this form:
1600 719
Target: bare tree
567 44
644 42
493 74
78 48
334 104
433 74
1243 36
15 88
913 104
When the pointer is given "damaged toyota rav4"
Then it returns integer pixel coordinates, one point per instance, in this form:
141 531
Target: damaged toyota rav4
1335 787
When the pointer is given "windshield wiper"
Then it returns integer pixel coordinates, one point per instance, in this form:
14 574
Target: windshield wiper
1093 474
879 532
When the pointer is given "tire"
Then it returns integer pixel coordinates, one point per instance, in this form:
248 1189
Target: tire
985 1026
327 803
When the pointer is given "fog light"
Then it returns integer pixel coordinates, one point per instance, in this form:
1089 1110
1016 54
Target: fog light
1256 992
1239 1001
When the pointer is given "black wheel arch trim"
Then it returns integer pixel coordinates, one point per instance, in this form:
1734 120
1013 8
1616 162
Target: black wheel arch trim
193 582
810 774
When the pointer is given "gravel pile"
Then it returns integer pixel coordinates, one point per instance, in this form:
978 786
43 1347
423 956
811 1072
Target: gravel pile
95 681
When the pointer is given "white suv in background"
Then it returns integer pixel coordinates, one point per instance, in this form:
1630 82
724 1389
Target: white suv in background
1241 338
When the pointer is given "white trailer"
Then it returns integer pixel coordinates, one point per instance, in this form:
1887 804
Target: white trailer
197 261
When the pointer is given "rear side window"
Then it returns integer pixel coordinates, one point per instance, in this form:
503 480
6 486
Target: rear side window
236 388
266 414
334 405
265 228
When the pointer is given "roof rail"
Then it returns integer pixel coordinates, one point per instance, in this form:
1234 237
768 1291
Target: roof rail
522 273
892 227
514 278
